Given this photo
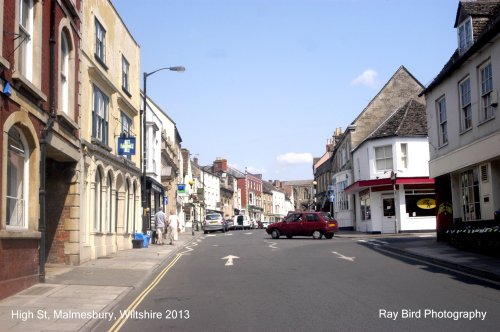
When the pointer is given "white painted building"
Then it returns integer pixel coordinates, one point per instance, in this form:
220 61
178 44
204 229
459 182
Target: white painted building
392 189
211 190
464 126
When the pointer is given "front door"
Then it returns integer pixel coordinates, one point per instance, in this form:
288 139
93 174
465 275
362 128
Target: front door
389 219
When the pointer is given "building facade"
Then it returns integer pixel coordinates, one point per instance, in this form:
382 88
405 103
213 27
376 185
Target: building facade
40 148
464 126
392 188
400 88
111 183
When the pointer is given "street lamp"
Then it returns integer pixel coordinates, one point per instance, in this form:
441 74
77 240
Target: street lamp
143 148
314 194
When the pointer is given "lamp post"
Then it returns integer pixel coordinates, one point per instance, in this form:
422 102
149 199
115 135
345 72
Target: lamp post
143 148
314 194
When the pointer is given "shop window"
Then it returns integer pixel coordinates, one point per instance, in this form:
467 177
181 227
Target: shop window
420 203
366 213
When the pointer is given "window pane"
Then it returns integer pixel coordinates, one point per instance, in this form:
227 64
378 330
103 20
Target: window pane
15 180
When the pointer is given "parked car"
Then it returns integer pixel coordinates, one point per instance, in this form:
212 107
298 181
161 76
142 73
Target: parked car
214 222
242 221
264 224
229 223
315 224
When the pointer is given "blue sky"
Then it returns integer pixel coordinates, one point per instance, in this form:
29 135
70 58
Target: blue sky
268 81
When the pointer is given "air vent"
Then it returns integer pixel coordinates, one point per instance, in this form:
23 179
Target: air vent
484 173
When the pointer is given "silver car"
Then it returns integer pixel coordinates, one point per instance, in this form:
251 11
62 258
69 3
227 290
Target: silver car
214 222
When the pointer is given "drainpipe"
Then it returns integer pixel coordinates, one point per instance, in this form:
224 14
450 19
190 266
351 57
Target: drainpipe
42 225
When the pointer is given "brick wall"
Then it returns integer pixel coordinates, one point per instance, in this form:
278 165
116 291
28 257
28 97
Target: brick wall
19 265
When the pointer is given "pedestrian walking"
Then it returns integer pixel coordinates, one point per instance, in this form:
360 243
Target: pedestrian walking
160 219
173 221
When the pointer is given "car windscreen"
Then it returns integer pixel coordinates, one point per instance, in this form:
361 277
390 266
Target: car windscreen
213 217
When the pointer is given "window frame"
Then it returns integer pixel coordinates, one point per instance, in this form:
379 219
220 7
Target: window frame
125 75
487 111
442 121
100 123
100 41
470 188
26 32
465 35
24 185
64 73
404 155
465 102
385 158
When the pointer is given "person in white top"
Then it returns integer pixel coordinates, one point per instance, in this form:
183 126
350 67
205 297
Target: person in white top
173 221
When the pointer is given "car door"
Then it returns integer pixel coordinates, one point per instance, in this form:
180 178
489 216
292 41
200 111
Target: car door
312 223
291 226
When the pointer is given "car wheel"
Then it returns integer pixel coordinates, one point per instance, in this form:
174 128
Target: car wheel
329 236
275 234
205 232
289 236
317 235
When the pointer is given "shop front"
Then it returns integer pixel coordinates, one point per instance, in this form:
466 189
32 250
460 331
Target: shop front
387 206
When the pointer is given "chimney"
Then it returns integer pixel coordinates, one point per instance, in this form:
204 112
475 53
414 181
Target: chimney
220 165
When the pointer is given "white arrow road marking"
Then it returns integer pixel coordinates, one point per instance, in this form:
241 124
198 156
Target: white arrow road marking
211 235
343 257
229 259
272 245
248 233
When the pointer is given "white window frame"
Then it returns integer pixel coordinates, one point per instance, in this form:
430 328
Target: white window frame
64 73
404 155
100 115
465 93
442 121
385 155
487 111
125 74
470 197
22 196
465 35
25 50
98 201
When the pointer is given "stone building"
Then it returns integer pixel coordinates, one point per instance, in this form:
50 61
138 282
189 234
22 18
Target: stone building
110 209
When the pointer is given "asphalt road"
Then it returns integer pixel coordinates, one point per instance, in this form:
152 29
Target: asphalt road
303 284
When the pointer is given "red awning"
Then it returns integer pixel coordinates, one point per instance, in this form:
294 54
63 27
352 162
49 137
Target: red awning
364 184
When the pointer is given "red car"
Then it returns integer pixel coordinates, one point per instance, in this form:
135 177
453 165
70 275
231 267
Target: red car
315 224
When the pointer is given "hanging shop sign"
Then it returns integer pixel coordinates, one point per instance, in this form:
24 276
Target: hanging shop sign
126 146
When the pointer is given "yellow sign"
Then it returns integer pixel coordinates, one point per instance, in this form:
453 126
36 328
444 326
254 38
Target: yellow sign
426 203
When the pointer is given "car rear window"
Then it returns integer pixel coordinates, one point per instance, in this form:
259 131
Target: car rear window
327 216
213 216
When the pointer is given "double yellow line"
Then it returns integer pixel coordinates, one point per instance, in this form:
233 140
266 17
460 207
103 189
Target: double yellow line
123 319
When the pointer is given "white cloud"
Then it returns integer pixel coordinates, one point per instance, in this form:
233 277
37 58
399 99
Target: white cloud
292 158
368 78
255 170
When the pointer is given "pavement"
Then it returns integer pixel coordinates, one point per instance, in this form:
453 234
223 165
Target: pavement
92 289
